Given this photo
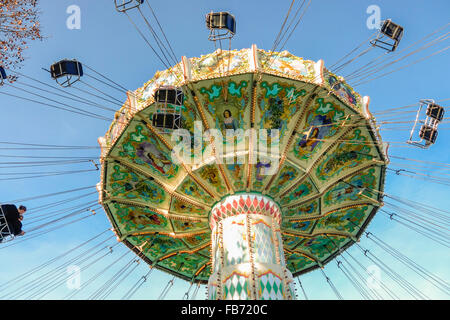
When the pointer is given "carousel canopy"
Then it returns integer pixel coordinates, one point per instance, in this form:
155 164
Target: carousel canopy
327 176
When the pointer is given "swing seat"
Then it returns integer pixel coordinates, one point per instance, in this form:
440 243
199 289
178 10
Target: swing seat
222 25
65 71
66 68
392 31
125 5
435 111
429 134
169 95
166 120
5 233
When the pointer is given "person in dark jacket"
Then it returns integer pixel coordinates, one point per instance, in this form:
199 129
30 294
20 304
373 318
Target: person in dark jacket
13 218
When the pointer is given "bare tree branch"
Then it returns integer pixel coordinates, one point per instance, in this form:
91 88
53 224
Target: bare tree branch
19 24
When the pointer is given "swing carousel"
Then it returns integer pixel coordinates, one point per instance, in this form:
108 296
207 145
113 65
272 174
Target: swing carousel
240 170
242 220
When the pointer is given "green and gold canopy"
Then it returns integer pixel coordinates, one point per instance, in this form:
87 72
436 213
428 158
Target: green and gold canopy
331 164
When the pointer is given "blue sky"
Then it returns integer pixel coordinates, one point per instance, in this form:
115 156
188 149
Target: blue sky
108 43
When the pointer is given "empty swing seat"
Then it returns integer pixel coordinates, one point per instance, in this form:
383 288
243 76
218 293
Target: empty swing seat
435 111
66 68
166 120
429 134
125 5
392 30
168 102
429 130
169 95
221 21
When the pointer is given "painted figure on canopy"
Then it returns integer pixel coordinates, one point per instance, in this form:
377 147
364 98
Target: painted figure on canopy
262 170
341 90
319 129
229 122
154 157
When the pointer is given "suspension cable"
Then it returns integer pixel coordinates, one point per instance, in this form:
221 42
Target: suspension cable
301 287
45 264
382 285
58 277
421 271
137 285
366 67
38 234
114 285
169 284
96 276
330 283
186 294
86 101
65 108
50 194
194 294
403 283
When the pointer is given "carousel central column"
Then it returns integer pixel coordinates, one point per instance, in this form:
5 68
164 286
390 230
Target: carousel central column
247 252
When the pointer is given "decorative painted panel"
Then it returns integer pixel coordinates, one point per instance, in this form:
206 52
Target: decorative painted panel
302 190
212 178
189 226
321 246
142 148
345 220
136 219
184 263
297 262
342 90
127 184
298 226
354 150
198 240
358 187
263 242
304 210
193 190
236 287
179 206
215 64
271 286
321 123
286 176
